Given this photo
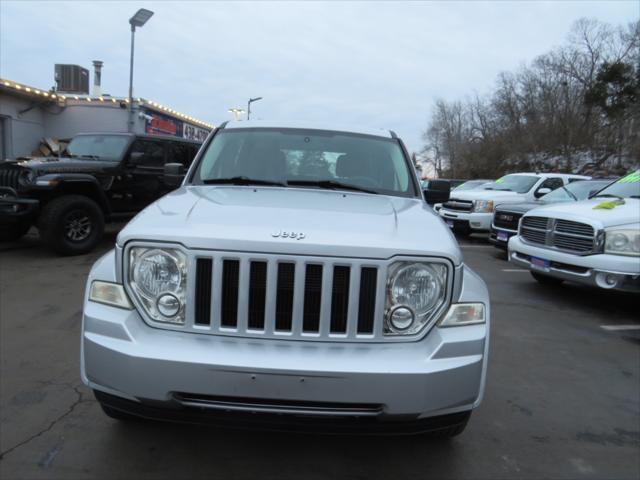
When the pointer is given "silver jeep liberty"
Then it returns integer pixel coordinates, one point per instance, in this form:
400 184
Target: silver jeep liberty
297 279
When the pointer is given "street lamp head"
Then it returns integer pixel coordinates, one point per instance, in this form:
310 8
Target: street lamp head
140 18
251 100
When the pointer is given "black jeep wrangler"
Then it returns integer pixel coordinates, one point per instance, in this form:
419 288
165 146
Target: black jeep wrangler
98 178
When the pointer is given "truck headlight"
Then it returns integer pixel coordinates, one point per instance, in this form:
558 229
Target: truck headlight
483 206
415 291
624 241
158 279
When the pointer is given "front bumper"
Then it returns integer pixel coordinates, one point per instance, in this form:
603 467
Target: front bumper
14 209
611 272
500 236
475 222
441 374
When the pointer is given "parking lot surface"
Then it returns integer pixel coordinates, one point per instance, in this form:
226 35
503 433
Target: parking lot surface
562 399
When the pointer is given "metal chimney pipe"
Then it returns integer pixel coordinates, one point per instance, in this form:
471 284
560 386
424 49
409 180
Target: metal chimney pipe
97 77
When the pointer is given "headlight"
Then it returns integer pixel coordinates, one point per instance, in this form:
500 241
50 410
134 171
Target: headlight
622 242
483 206
415 291
158 279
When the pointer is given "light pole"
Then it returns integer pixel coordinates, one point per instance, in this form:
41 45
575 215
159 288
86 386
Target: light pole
251 100
237 112
138 20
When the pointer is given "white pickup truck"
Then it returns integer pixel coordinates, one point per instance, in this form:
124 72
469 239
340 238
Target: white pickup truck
595 242
471 211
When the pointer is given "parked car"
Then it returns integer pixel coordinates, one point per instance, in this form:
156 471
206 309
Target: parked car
472 211
507 216
101 177
269 293
466 185
595 242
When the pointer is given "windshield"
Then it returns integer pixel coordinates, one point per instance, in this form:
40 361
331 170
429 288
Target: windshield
574 191
306 158
472 185
98 147
513 183
628 187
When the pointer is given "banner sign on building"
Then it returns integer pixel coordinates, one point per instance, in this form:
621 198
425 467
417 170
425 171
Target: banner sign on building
159 124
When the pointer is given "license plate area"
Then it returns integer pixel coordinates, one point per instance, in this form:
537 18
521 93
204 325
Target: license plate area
503 236
450 223
540 263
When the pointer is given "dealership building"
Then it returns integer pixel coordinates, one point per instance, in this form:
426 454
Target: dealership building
29 114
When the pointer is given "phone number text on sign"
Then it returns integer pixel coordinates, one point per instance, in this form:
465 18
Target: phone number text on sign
194 133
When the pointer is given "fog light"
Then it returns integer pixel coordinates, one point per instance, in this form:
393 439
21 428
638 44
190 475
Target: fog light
607 280
401 318
168 305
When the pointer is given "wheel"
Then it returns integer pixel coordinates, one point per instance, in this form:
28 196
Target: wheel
71 225
546 279
13 231
118 414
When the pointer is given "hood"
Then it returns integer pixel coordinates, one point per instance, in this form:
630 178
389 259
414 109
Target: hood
584 212
518 207
495 195
46 165
332 223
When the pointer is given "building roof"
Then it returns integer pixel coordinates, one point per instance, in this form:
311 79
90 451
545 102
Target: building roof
63 99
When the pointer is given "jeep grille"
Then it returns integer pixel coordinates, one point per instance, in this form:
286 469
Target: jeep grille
302 298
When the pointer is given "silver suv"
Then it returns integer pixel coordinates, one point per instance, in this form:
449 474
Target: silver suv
297 279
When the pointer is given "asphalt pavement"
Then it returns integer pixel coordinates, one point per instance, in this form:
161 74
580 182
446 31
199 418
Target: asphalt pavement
562 399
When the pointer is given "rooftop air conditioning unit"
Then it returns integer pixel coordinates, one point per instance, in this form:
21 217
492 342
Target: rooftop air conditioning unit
72 79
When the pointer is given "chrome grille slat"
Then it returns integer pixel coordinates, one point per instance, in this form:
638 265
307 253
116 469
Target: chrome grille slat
460 205
365 308
565 235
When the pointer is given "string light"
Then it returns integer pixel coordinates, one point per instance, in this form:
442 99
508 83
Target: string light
140 101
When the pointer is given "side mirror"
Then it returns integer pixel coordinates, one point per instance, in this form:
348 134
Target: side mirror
542 191
437 191
173 174
135 158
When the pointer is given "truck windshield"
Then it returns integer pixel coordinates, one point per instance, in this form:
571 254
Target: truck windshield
513 183
574 191
626 187
98 147
306 159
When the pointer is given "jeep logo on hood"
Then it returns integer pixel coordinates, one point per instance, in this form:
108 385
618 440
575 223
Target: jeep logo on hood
284 234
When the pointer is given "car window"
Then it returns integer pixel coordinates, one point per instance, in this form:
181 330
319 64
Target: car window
180 153
290 155
628 186
552 183
514 183
97 147
152 153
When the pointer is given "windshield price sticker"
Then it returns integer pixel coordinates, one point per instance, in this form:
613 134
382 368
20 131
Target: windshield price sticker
631 178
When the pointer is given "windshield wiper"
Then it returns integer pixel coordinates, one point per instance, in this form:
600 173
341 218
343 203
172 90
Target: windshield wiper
92 157
609 195
242 180
331 185
569 192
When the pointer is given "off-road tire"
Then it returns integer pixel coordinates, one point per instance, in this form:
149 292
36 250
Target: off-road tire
12 232
57 228
546 279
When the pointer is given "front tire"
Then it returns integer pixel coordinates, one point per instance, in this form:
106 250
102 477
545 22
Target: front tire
546 279
71 225
13 232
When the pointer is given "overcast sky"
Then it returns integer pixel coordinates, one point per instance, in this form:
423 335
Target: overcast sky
376 64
